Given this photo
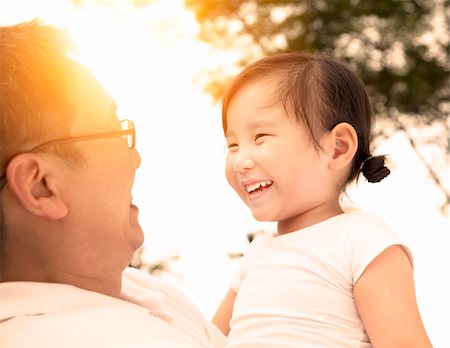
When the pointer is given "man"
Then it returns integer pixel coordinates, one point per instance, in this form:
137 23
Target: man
68 225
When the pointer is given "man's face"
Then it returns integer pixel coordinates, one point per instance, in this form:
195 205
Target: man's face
101 227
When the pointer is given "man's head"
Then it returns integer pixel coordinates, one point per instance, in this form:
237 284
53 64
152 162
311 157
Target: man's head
65 206
35 87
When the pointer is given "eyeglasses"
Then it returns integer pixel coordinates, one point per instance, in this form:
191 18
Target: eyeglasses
128 131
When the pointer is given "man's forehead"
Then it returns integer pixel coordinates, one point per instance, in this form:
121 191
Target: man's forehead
95 106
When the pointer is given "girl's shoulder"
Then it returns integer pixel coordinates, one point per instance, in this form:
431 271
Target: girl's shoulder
367 221
366 236
358 218
347 223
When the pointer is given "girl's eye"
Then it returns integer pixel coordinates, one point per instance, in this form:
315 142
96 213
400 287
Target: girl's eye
260 137
232 146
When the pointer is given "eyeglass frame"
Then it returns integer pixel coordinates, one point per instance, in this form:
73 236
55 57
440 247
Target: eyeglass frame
130 131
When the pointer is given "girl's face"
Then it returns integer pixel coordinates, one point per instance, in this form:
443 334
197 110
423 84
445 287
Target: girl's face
273 165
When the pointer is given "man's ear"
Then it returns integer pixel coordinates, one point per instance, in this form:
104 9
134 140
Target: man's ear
342 145
29 178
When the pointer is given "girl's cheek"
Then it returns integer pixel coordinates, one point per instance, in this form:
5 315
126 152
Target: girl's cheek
229 170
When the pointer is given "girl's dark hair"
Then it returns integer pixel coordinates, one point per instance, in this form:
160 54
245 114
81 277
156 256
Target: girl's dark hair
322 93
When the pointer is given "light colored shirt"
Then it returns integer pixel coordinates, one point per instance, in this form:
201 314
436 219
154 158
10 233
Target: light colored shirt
150 313
296 289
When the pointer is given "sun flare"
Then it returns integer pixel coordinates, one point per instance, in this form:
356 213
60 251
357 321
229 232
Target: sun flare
146 54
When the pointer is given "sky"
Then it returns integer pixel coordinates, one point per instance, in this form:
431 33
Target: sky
149 60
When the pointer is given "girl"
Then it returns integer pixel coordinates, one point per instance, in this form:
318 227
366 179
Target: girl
298 128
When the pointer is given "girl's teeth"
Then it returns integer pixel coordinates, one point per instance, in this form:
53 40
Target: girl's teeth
253 187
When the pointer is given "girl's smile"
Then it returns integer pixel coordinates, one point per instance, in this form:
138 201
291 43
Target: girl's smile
253 188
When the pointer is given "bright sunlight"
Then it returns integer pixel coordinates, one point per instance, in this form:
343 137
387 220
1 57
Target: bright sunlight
149 59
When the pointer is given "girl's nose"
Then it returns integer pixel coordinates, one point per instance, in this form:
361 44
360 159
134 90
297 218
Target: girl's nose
243 162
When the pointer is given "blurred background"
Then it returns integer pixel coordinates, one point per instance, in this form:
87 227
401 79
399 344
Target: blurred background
166 64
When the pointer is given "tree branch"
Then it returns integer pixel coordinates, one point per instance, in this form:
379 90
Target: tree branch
434 176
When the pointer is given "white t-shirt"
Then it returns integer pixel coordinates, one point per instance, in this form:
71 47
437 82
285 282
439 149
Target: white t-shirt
296 289
151 313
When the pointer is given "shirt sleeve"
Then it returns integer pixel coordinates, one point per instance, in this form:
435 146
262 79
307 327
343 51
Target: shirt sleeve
369 237
170 305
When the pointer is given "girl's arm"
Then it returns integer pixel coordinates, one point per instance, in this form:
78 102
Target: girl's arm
386 301
223 314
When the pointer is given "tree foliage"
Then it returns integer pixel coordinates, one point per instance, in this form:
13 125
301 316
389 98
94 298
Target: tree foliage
399 48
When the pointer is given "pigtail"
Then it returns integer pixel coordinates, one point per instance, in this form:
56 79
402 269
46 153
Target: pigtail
374 169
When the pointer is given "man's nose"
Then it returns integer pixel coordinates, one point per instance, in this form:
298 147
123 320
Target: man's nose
137 157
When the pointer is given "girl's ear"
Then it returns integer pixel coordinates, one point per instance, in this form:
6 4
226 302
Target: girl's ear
343 144
31 181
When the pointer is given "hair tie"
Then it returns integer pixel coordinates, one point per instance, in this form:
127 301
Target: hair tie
373 168
363 162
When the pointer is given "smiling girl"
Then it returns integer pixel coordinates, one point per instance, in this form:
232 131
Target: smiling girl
298 128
